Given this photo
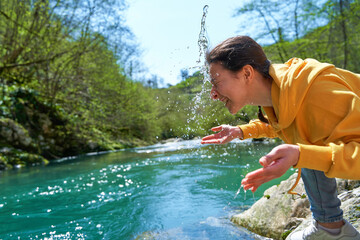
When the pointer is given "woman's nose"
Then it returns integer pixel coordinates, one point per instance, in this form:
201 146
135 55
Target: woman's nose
214 94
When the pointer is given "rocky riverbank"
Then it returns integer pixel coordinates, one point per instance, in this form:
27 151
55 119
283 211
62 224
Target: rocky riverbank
34 132
278 213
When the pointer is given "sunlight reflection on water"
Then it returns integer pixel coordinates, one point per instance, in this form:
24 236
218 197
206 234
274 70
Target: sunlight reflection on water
175 190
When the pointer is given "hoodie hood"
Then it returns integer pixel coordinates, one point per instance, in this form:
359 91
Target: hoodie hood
291 82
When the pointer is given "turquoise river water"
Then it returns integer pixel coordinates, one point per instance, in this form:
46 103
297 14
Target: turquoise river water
178 190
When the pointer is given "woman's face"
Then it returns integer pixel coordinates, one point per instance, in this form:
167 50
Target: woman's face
228 87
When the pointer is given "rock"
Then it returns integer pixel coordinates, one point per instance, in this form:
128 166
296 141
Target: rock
350 204
3 163
13 133
277 213
14 158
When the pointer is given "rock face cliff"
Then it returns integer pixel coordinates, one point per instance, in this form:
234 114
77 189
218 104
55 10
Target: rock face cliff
277 213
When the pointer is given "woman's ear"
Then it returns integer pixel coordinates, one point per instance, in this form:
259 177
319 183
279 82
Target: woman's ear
248 73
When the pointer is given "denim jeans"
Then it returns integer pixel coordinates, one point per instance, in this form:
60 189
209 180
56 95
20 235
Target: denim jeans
322 194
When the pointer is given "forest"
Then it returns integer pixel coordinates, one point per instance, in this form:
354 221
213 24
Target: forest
68 67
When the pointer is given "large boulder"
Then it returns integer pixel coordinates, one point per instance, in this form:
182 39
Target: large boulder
12 133
278 213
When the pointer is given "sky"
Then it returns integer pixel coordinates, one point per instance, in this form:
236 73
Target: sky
168 31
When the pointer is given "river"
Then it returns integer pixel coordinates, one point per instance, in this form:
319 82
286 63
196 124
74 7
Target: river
177 190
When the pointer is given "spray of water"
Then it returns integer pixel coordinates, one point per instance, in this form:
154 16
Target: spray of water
203 44
238 191
202 65
203 41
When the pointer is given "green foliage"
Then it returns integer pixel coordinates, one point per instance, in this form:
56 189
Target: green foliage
187 111
324 30
66 72
65 79
191 85
51 49
285 234
20 158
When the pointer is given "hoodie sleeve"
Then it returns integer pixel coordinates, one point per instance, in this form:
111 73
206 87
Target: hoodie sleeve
330 122
257 129
335 160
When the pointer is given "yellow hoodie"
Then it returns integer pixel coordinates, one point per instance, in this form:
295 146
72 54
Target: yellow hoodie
316 106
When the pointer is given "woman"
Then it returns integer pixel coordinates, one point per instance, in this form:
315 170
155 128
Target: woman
313 107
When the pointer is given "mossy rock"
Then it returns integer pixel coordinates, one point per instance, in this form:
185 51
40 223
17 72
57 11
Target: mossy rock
15 158
4 164
276 212
14 134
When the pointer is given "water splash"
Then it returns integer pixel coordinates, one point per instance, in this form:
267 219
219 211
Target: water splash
203 44
203 41
238 191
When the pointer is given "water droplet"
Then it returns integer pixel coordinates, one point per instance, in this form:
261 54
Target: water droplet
238 191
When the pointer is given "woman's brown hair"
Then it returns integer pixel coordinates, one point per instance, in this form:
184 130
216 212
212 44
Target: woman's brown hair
236 52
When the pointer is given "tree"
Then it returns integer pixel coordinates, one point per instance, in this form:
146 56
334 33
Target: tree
332 36
281 21
42 39
184 73
154 81
79 57
338 12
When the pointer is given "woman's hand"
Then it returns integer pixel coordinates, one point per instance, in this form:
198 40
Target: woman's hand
226 134
275 164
